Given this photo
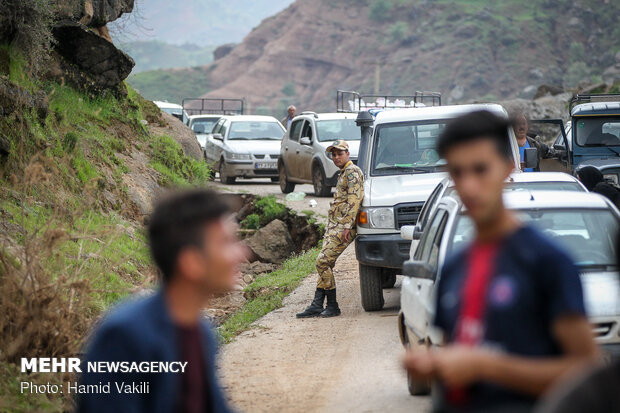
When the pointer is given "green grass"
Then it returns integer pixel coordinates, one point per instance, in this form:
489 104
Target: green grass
177 169
266 293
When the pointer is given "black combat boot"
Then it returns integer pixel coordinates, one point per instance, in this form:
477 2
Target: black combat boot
332 309
316 308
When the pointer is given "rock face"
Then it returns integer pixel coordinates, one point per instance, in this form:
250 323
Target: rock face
223 50
93 13
272 243
102 63
13 98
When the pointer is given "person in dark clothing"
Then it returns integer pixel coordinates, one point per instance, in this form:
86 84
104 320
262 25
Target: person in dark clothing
525 140
193 242
593 180
595 391
510 305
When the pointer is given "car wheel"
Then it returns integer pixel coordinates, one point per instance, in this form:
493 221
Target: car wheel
285 186
225 179
388 278
370 288
318 181
416 387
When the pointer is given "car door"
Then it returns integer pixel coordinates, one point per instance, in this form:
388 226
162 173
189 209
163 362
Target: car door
305 152
291 148
210 146
419 292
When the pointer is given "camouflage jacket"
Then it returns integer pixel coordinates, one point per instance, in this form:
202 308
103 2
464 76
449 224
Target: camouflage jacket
347 199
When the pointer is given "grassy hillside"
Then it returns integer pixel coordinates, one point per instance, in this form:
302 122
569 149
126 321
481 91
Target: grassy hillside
150 55
466 49
71 239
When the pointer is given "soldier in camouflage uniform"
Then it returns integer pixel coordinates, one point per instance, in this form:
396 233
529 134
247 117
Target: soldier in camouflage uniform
340 230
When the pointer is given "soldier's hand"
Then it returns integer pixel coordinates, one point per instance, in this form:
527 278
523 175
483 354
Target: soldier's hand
346 234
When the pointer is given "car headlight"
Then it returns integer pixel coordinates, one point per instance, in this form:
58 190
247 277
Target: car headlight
238 156
382 218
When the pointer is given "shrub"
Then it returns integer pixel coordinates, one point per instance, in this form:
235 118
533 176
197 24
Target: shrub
380 10
576 73
270 209
252 221
289 89
398 31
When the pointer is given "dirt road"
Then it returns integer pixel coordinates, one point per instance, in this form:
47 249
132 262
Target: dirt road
349 363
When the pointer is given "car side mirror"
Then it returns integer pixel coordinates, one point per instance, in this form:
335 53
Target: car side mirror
407 231
218 136
559 147
530 158
419 269
305 141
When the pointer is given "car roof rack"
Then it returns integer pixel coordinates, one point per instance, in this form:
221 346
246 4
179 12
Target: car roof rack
351 101
213 106
309 112
591 98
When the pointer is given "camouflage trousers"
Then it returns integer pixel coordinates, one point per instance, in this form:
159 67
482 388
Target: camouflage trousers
333 246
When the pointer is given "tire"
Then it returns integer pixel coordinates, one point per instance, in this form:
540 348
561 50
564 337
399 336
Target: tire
318 181
275 179
285 186
417 387
225 179
370 288
388 278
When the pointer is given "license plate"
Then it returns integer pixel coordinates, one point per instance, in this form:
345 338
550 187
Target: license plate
265 165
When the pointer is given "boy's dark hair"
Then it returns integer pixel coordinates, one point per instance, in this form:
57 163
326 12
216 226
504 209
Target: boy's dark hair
178 222
474 126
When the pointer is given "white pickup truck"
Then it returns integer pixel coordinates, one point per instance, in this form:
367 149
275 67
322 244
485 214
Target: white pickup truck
401 168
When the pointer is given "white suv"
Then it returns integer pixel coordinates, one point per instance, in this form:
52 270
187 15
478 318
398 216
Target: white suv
302 154
401 169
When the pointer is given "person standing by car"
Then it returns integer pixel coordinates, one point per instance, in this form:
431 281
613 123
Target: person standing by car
510 304
193 241
526 140
290 114
592 178
340 230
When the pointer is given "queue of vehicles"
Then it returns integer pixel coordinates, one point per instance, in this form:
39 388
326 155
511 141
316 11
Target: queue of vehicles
410 217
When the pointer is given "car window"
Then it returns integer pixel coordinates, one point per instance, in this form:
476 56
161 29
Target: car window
427 242
587 235
255 130
218 125
306 131
407 147
333 129
203 125
295 130
426 209
223 128
598 131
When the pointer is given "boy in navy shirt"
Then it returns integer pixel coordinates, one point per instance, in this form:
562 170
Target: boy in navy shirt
510 305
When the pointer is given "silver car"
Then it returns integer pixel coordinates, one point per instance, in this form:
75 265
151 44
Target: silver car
585 224
245 147
302 156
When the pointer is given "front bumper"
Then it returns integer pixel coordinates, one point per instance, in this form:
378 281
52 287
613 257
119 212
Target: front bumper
382 250
248 169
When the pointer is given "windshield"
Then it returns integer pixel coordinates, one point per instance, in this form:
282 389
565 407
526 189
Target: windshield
406 148
587 235
247 130
598 131
204 125
331 130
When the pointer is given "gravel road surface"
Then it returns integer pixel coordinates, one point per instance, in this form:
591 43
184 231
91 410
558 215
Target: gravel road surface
349 363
